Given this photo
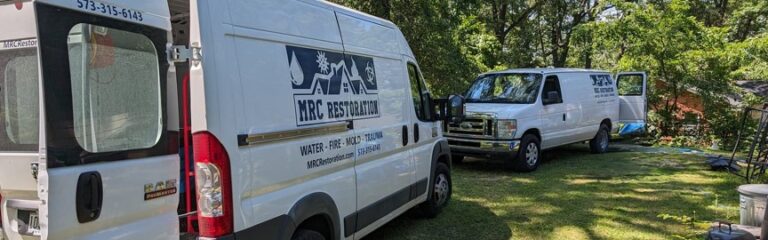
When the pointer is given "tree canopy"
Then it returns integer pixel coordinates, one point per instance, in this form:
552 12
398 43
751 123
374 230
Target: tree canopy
704 45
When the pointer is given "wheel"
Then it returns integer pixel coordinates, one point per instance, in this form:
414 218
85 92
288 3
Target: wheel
457 158
599 144
529 156
442 188
306 234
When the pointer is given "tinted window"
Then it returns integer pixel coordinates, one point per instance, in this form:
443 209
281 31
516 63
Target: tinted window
551 84
20 96
115 89
419 93
505 88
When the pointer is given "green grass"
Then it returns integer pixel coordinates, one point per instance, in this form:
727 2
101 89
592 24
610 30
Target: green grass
577 195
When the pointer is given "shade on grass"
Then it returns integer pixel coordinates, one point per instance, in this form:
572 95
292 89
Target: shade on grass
578 195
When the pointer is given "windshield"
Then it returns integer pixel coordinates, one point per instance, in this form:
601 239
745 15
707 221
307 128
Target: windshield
19 99
520 88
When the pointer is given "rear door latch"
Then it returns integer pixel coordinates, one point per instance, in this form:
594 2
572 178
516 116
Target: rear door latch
34 167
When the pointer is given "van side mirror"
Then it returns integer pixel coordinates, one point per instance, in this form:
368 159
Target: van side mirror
450 109
456 109
552 97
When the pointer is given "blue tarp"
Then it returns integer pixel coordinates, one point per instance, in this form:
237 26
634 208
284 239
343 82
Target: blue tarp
632 129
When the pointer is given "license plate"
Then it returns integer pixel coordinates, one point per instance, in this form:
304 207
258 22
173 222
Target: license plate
29 223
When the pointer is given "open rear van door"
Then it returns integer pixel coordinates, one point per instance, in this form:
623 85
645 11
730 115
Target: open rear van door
633 103
108 162
18 116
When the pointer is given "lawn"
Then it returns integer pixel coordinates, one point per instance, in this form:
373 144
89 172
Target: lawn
578 195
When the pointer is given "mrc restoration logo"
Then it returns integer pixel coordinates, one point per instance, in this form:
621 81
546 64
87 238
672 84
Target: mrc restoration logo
603 86
14 44
331 86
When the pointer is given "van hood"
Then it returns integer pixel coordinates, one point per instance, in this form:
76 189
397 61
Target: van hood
499 110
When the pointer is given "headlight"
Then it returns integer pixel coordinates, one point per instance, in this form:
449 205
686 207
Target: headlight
506 129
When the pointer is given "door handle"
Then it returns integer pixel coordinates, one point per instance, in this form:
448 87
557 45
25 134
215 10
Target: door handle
89 197
415 132
405 135
563 116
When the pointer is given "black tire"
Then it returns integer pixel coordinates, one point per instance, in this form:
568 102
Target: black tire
441 189
457 158
599 144
524 161
306 234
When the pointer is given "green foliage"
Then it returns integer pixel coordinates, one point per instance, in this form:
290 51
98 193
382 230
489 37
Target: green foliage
432 28
686 46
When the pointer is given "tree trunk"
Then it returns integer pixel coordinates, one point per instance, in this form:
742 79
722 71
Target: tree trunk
499 12
588 45
723 7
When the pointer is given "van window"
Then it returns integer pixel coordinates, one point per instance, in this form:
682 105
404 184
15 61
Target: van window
115 89
519 88
551 84
419 93
20 95
630 85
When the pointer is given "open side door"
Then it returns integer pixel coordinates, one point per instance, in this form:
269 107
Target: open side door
109 163
633 103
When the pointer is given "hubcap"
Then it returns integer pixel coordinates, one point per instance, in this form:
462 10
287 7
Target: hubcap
531 154
442 188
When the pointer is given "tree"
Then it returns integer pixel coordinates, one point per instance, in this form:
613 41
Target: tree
561 18
684 45
427 24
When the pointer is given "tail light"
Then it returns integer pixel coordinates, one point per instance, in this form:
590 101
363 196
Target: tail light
214 186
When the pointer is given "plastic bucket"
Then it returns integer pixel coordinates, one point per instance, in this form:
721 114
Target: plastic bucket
752 203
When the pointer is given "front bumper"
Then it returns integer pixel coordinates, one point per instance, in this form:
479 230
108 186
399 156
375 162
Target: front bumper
483 147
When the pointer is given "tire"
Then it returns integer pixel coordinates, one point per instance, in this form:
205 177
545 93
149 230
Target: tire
599 144
442 188
306 234
528 157
457 159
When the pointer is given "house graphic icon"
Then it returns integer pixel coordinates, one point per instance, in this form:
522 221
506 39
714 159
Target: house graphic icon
331 86
339 79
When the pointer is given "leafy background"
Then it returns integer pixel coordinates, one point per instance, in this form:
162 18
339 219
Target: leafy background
705 45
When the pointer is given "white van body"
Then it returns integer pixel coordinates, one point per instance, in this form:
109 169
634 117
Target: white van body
506 106
305 119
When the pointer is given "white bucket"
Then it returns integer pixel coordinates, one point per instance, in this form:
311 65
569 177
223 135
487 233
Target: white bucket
752 203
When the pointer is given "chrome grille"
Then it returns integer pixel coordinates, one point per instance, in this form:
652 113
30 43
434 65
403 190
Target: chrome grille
472 127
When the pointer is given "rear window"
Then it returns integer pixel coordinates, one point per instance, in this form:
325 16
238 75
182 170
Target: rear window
115 89
19 110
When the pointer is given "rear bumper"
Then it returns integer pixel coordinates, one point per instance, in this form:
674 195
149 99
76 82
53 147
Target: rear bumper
483 147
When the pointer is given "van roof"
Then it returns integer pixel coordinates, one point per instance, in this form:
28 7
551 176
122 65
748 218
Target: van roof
356 13
405 47
547 70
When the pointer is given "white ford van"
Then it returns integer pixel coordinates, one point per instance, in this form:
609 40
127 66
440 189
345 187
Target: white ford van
512 115
231 119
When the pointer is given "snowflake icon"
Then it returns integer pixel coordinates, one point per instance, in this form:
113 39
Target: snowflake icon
322 62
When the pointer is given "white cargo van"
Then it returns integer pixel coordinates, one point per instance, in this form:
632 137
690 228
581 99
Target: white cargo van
275 119
512 115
